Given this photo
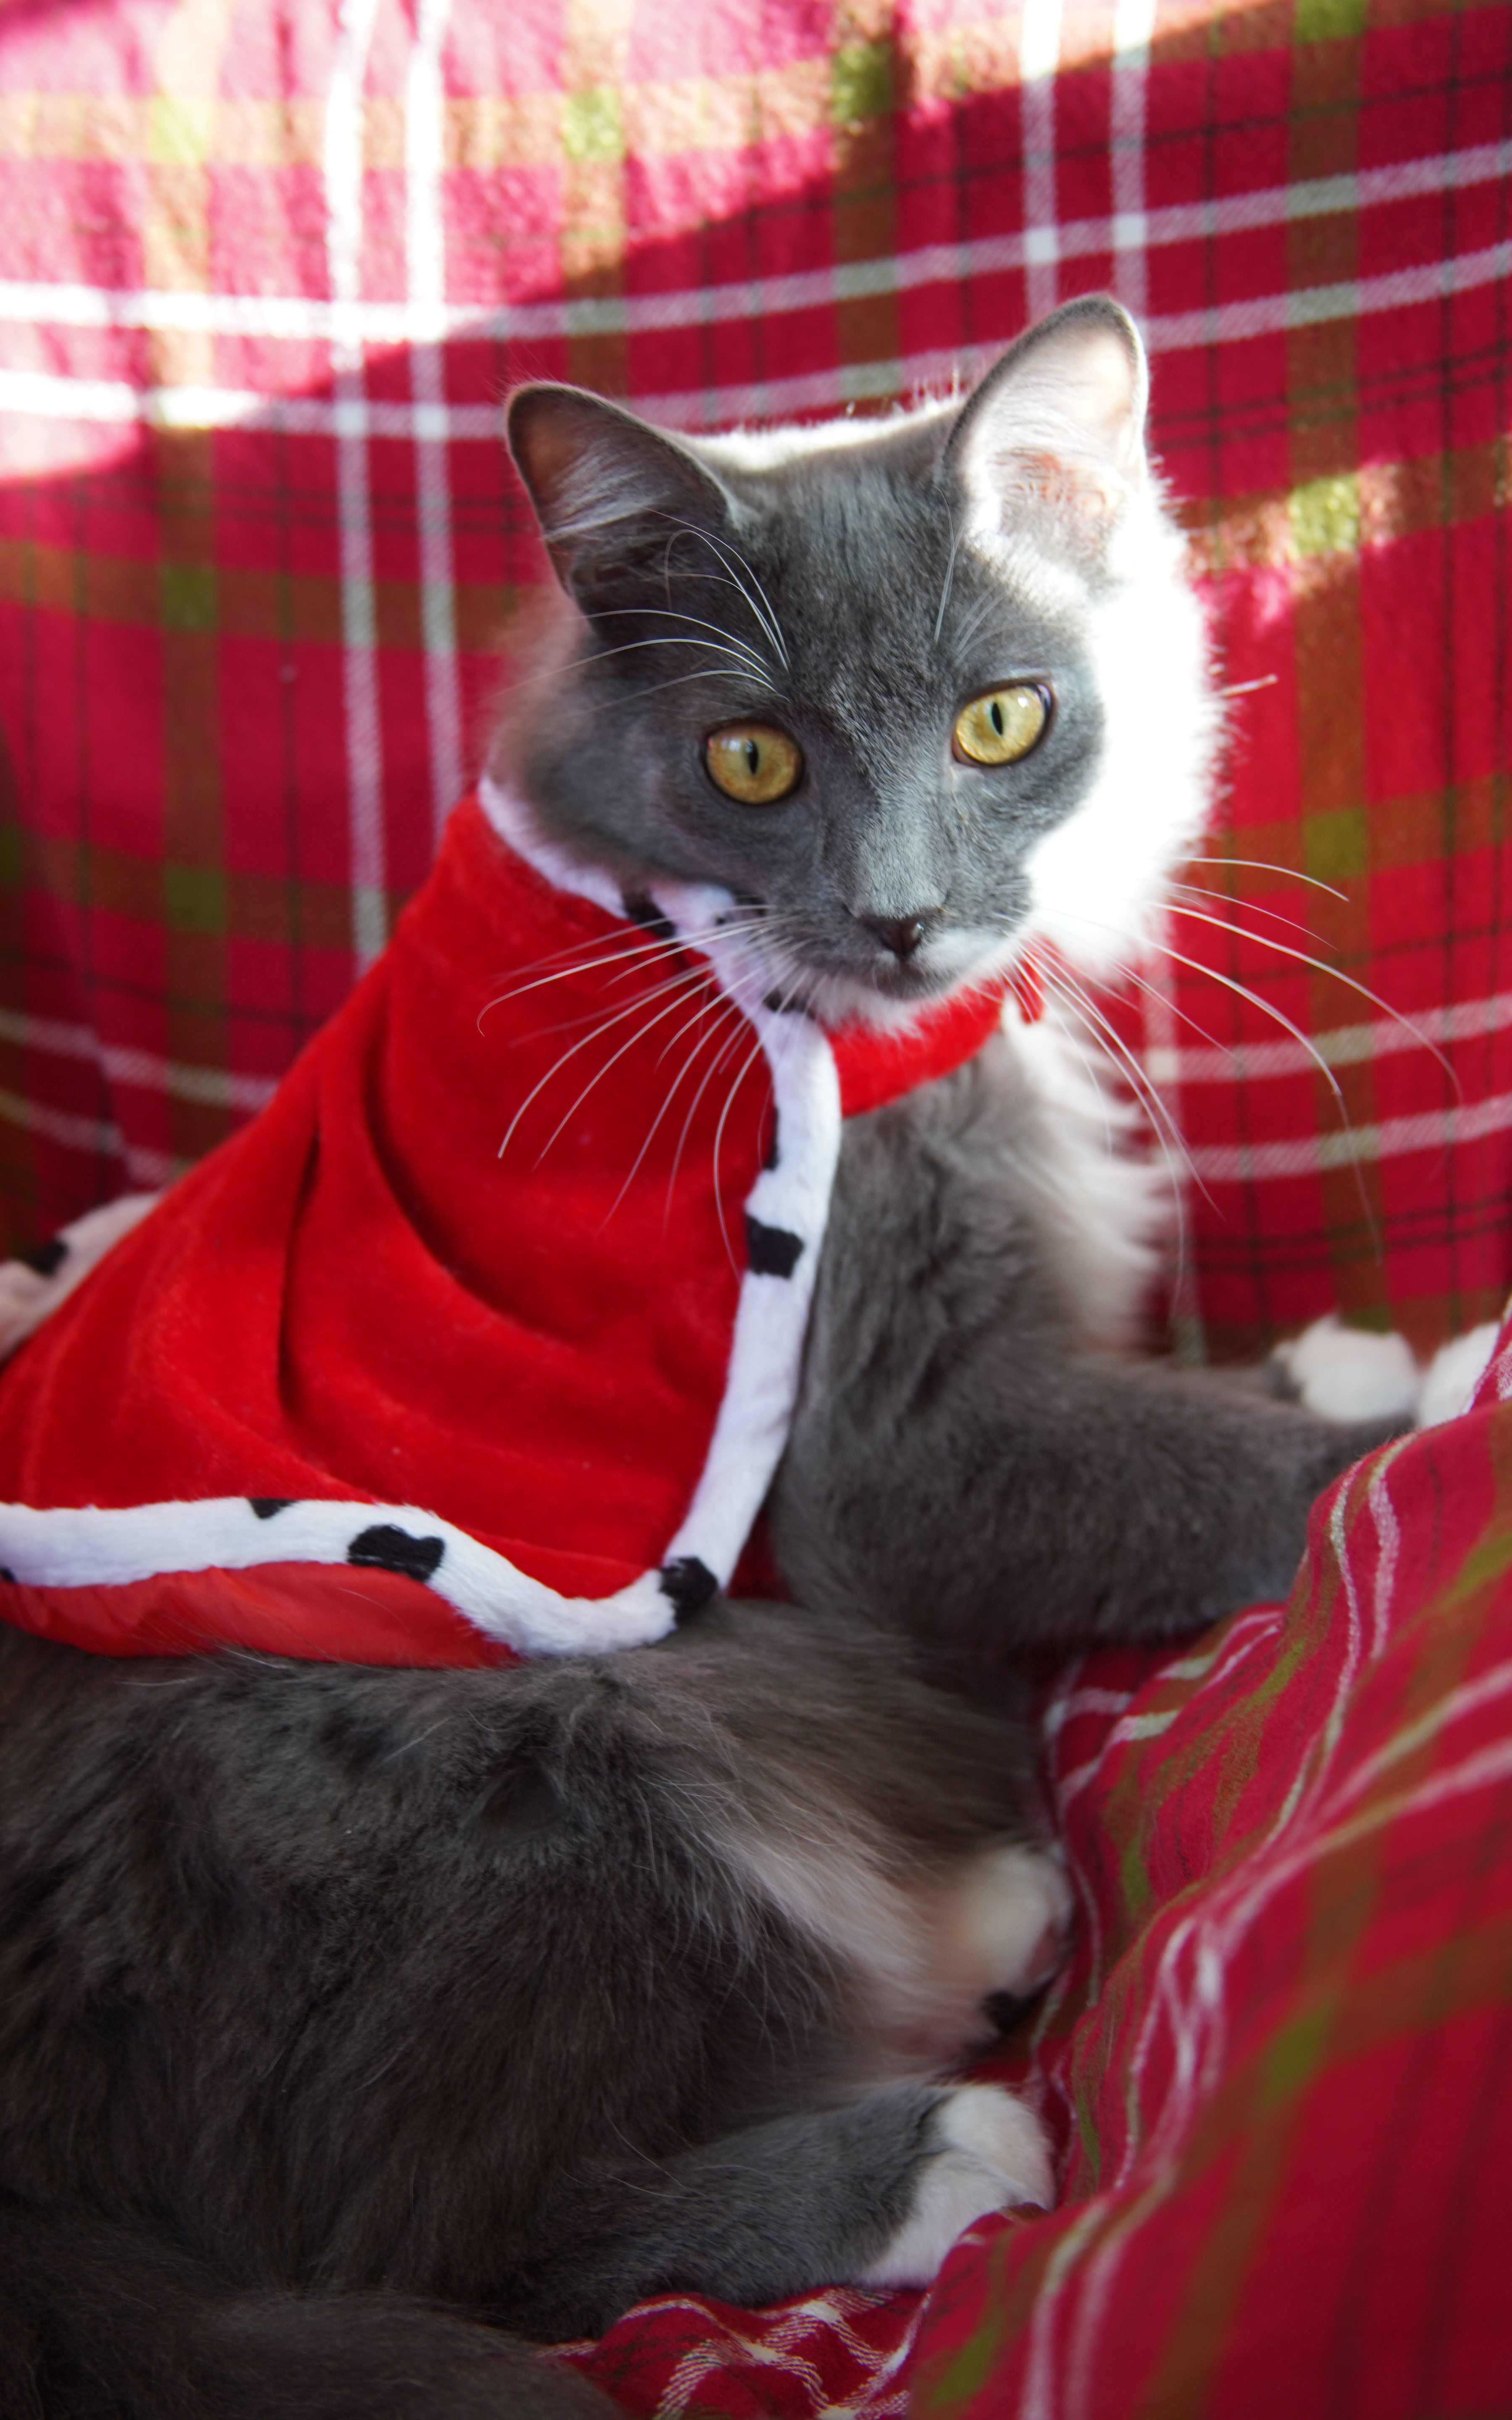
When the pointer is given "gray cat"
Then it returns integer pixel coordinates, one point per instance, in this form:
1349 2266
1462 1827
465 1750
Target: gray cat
355 2025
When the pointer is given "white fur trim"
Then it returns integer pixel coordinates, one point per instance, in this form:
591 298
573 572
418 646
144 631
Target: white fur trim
88 1545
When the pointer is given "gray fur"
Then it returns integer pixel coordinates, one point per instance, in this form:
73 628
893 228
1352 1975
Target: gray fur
445 1986
959 1468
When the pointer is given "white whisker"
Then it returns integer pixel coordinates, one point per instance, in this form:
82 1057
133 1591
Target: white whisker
719 1008
1232 983
1165 1129
659 944
608 1026
730 1098
1268 1008
764 611
1263 865
629 1044
1303 957
596 1016
694 621
956 535
730 1043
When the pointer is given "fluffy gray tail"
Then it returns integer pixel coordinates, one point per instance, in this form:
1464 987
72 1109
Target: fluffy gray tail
96 2324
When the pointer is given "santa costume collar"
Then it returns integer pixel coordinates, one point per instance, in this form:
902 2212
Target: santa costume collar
483 1339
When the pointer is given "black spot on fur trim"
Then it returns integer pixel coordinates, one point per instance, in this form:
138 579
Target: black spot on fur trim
689 1583
646 913
7 1573
385 1548
784 1003
771 1251
266 1506
45 1258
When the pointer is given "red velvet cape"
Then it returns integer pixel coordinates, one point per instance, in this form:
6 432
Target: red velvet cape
483 1337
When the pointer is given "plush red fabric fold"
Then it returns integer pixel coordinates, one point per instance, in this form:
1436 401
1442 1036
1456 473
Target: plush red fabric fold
480 1259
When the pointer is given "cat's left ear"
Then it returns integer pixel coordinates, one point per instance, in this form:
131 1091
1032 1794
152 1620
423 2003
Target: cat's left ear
1059 423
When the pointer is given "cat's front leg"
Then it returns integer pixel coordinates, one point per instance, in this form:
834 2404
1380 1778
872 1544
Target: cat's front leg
1060 1501
960 1464
873 2194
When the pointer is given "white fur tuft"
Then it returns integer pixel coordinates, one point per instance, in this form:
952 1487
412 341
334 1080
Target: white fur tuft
1098 878
1454 1374
1350 1374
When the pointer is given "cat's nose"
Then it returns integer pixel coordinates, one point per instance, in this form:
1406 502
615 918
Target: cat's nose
902 935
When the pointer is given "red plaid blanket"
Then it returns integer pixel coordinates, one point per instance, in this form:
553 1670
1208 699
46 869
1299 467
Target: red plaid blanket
1278 2066
264 276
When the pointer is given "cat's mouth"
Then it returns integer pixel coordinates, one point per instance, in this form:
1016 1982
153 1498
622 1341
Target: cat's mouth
893 996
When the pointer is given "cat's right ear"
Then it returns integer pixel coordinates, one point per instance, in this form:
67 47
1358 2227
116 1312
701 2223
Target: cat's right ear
604 485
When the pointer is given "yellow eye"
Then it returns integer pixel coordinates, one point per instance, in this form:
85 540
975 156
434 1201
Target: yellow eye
753 762
1002 727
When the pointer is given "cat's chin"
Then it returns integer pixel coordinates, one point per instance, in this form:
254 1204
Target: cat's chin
890 1007
895 999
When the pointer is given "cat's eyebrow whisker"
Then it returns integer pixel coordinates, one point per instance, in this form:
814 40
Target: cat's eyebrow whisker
764 611
956 535
694 621
974 622
716 673
744 657
602 656
1303 957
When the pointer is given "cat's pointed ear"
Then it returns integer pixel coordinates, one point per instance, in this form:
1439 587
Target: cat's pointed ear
603 483
1059 423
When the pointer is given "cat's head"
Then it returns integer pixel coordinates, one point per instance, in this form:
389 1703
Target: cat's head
916 690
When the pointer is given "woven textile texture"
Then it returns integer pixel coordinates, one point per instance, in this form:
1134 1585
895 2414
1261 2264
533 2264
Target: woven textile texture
266 272
264 276
1278 2066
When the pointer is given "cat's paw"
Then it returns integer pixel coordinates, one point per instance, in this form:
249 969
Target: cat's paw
31 1289
982 2151
1009 1916
1350 1374
1454 1374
